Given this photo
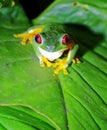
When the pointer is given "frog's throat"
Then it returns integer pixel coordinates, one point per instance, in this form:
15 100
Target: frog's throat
51 56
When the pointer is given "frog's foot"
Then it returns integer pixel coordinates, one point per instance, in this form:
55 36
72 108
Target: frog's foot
25 37
28 36
46 62
61 66
76 61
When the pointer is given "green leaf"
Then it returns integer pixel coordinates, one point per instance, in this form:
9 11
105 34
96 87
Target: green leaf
24 82
32 97
88 13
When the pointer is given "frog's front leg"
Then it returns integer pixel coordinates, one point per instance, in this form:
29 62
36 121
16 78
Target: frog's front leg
27 36
63 64
71 55
45 62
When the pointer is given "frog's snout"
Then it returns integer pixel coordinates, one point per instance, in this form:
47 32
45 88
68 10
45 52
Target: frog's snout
50 48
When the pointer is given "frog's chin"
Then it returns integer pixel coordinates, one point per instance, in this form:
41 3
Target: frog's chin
51 55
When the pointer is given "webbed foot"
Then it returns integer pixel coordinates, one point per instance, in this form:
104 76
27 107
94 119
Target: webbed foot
76 61
61 66
46 62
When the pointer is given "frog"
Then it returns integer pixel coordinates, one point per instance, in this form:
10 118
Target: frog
54 45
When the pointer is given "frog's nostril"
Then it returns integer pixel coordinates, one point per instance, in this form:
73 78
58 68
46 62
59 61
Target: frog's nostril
50 48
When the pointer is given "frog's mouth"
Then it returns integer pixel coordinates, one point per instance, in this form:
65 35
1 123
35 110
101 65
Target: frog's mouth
52 55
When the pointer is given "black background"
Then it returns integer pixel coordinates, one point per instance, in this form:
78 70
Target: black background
34 7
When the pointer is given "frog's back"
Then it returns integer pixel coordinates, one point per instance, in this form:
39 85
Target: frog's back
54 27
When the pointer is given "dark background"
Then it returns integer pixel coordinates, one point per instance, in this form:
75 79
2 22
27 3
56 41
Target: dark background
34 7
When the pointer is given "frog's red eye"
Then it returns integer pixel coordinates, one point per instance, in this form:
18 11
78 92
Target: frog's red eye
38 39
65 39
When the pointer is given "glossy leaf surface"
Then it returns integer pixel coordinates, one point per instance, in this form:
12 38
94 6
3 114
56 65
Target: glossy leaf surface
32 97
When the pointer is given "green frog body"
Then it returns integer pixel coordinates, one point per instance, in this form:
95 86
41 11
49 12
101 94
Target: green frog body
53 44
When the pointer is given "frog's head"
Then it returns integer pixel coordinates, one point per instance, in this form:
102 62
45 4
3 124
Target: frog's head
52 44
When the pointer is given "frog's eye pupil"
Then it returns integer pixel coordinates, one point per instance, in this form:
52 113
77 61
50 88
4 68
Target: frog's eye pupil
65 39
38 39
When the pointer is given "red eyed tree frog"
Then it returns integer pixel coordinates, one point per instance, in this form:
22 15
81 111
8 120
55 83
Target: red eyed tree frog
53 45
